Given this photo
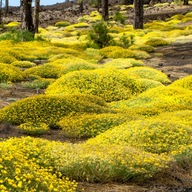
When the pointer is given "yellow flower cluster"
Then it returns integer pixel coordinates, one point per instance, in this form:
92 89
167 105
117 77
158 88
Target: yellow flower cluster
185 82
9 73
23 168
90 125
50 109
109 84
123 63
33 128
23 64
148 73
153 135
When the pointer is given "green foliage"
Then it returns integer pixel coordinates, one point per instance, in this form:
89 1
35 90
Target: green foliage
119 17
23 64
10 73
17 35
152 135
50 109
148 73
39 83
62 24
99 36
157 42
33 128
185 82
89 125
125 41
110 84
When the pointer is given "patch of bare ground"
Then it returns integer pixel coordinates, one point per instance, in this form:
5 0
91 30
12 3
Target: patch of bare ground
174 60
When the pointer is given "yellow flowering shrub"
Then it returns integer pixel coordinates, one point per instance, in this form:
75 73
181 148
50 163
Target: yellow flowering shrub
107 163
23 64
13 24
89 125
185 82
92 54
138 54
22 168
157 42
157 100
109 84
147 48
7 58
45 71
50 109
10 73
33 128
149 84
148 73
122 63
154 135
62 24
116 52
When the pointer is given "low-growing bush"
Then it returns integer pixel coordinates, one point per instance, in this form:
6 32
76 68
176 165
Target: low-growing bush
89 125
110 84
62 24
45 71
157 42
147 48
7 58
33 128
10 73
148 73
152 135
23 64
123 63
50 109
185 82
23 169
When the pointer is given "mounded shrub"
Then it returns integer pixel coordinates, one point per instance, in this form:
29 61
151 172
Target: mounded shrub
138 54
185 82
147 48
10 73
50 109
148 73
123 63
23 64
45 71
7 58
62 24
152 135
109 84
33 128
24 169
157 42
89 125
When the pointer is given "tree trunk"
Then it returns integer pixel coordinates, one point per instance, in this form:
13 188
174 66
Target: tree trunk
185 2
81 6
99 5
26 15
105 11
36 15
138 14
0 11
6 7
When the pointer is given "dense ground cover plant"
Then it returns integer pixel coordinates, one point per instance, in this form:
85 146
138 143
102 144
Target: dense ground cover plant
110 84
148 73
21 170
185 82
90 125
50 109
153 135
23 64
33 128
9 73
